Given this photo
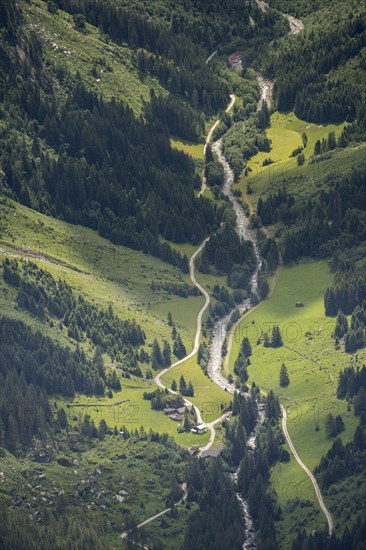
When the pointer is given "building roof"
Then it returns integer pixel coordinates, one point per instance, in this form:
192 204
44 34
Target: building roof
211 453
169 410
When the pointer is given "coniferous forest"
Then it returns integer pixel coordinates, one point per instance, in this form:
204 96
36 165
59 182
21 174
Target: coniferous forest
212 154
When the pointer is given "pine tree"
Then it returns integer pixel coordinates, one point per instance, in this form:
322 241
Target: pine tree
284 377
246 347
156 356
190 390
166 354
179 349
182 385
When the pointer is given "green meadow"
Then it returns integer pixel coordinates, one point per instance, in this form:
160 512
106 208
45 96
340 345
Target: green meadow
285 132
134 412
193 149
313 364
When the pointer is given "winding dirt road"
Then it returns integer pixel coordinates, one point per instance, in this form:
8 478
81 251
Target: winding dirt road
157 378
307 471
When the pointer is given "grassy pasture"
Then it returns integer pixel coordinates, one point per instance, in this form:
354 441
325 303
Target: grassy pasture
311 395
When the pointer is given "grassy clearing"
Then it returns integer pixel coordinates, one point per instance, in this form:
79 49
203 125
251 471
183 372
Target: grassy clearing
116 67
286 134
311 396
193 149
135 412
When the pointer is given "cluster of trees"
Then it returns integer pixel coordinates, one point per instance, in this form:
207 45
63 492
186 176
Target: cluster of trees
183 290
160 399
328 90
352 384
243 141
214 170
277 207
219 516
334 425
352 538
354 335
328 144
229 254
347 295
160 359
46 364
185 389
347 292
43 296
203 356
254 468
269 252
343 460
245 412
179 117
225 301
274 340
333 221
17 530
242 362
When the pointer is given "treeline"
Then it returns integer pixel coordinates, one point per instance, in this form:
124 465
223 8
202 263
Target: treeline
44 297
329 90
329 223
44 363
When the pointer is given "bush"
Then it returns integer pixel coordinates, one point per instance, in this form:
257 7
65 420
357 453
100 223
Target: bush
79 21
